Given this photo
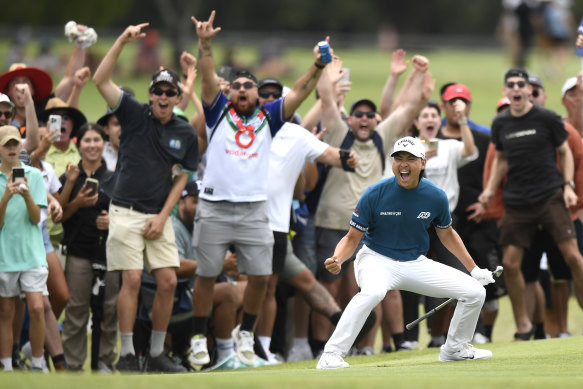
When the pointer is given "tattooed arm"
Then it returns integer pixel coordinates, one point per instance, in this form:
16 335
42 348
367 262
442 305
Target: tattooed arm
210 86
304 85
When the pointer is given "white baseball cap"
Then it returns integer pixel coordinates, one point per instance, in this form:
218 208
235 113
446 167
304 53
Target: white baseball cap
411 145
6 99
568 85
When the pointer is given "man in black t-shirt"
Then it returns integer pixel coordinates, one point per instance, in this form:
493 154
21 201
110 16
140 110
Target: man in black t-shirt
527 138
143 192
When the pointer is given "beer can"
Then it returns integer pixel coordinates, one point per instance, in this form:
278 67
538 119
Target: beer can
325 56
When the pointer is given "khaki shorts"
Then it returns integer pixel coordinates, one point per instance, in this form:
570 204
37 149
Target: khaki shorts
26 281
127 249
520 223
222 224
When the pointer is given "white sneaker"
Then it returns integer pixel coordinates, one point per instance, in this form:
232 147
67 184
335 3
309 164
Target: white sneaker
467 352
244 345
273 359
480 339
26 350
103 368
199 354
301 352
331 361
365 351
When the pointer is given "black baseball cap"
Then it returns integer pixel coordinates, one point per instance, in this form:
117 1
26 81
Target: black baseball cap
270 81
166 75
361 102
191 189
516 72
244 73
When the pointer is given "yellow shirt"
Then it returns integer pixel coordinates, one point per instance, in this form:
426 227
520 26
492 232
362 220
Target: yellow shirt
59 159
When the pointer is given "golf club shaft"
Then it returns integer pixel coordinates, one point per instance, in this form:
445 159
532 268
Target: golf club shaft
419 319
496 273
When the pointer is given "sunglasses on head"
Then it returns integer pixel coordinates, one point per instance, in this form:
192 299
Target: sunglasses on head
359 114
266 93
167 92
7 114
511 84
237 85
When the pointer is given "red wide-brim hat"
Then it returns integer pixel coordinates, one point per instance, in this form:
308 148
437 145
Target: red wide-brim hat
42 81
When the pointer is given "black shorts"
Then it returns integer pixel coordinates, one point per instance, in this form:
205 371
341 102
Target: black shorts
326 241
279 251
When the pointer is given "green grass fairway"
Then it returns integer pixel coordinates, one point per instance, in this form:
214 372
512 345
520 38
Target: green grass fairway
553 363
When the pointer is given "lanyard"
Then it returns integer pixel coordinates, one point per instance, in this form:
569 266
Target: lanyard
249 129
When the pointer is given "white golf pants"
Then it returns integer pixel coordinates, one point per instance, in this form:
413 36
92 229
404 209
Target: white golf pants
376 274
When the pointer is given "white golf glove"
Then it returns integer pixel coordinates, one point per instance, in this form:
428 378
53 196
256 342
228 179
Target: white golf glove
484 276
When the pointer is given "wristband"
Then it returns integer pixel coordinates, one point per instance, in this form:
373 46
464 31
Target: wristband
319 66
462 123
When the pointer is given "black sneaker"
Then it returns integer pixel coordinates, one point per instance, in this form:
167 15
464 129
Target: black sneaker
163 364
127 364
18 363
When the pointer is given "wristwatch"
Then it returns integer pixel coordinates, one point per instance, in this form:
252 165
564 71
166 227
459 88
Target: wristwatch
570 183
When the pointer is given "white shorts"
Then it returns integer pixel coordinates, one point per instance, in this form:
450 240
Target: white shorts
31 280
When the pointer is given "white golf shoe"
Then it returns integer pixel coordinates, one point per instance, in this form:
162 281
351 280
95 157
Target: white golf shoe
331 361
467 352
199 354
244 345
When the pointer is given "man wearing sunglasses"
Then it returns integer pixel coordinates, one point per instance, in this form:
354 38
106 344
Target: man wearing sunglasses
527 139
143 192
232 207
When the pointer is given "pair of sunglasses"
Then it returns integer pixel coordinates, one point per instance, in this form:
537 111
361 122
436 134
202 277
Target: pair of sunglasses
247 85
359 114
265 94
167 92
511 84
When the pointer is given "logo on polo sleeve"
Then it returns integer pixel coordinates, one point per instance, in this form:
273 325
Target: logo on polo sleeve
175 144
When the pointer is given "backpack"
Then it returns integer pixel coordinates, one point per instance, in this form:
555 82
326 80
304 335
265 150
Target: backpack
313 197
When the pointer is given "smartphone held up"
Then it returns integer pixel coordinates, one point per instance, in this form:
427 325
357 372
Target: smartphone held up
55 123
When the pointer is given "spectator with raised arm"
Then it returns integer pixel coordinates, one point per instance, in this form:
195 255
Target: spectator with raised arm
153 140
232 207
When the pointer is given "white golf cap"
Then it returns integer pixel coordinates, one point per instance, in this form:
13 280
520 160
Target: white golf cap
568 85
6 99
411 145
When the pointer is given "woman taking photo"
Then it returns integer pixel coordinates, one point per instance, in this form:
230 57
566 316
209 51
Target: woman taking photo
86 223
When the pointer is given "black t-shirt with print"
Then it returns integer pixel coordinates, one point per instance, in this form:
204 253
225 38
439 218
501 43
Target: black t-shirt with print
529 144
